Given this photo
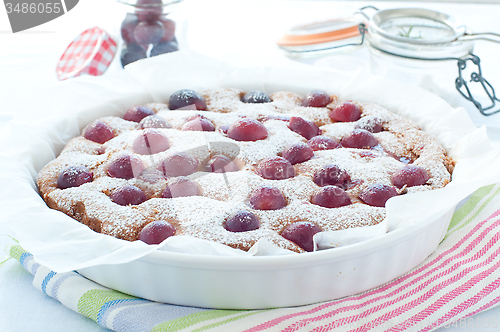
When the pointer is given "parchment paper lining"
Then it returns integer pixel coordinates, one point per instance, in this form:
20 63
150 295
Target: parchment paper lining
53 116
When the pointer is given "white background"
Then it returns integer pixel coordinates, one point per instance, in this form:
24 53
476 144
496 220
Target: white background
216 28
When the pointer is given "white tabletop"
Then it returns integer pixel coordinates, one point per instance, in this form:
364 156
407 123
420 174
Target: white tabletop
216 28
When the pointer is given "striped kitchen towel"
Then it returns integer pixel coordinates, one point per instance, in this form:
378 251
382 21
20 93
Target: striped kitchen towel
461 278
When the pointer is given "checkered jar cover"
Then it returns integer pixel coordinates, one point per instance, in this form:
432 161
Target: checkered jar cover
90 53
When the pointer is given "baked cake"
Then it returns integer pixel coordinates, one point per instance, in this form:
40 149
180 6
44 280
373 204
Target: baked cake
234 167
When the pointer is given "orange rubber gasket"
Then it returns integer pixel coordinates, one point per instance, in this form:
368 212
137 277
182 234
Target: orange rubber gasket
298 40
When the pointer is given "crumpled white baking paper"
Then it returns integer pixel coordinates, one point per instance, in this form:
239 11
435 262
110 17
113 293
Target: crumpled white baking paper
49 119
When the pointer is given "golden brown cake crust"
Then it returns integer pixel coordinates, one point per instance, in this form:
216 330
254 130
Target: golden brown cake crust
222 194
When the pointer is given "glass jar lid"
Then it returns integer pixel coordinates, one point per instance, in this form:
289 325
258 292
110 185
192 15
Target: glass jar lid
418 33
417 26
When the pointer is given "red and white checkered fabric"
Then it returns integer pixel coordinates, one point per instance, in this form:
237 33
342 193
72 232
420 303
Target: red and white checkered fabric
88 54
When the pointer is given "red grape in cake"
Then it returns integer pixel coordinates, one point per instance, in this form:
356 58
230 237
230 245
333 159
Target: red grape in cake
153 121
181 187
256 97
186 99
150 141
137 113
332 175
301 233
156 232
198 124
99 132
331 197
346 111
410 176
196 116
267 197
74 176
247 129
221 164
297 153
359 139
242 221
275 168
323 143
178 164
128 195
305 128
125 167
377 194
316 98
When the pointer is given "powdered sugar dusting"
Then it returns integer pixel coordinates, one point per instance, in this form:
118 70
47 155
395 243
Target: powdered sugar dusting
221 194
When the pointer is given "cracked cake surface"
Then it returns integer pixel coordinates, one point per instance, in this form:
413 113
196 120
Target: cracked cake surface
232 170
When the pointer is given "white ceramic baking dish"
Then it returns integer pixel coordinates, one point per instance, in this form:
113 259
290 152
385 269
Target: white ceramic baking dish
273 281
62 244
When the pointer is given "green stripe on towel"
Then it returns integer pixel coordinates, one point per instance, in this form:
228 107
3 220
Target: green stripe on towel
458 221
16 251
92 301
190 320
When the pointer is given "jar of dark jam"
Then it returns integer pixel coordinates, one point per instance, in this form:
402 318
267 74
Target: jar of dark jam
148 29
